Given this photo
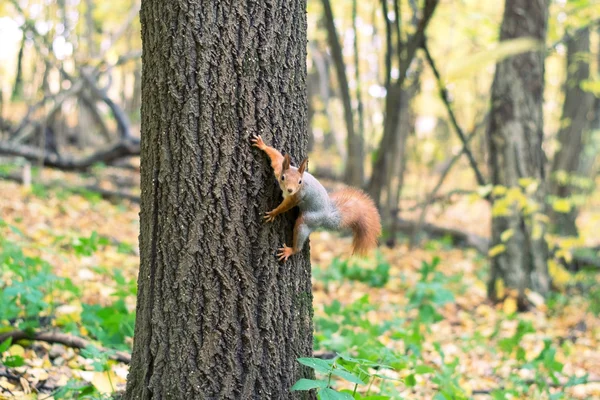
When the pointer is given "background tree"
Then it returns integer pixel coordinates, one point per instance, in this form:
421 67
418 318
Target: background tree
354 174
217 316
575 122
516 157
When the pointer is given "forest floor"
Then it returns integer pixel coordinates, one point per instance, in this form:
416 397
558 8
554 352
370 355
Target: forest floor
463 339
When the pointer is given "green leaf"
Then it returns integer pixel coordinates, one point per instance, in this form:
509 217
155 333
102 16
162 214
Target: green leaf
347 376
317 364
13 361
5 345
330 394
308 384
410 380
574 380
423 369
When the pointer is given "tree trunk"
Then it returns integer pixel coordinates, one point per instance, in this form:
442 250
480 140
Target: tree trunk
90 29
354 164
17 93
515 137
217 316
383 161
574 125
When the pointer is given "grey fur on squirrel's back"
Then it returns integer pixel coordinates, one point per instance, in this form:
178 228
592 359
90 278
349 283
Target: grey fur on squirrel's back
317 208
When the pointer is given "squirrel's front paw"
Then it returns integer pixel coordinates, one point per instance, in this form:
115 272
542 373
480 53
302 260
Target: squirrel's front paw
270 216
284 253
258 142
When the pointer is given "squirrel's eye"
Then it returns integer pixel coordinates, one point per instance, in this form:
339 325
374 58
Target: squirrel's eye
283 177
300 181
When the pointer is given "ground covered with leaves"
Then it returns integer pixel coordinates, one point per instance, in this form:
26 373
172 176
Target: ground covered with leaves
405 323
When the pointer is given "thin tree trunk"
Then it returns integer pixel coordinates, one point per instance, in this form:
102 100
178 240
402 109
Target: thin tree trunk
576 112
17 92
324 89
359 103
217 316
354 164
90 29
515 137
383 162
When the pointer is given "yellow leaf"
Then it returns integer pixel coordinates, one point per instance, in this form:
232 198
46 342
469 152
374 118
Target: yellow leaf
103 381
498 249
507 234
524 182
510 305
16 350
501 208
499 190
561 205
560 276
566 254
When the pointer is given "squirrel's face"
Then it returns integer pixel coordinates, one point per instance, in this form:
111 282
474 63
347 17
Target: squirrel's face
290 180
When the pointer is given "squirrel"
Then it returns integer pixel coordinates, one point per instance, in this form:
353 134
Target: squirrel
346 208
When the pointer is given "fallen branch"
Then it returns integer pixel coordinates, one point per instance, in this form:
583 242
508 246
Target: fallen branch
459 238
104 193
123 148
67 340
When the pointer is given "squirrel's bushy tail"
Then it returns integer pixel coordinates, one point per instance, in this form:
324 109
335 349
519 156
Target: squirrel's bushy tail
358 213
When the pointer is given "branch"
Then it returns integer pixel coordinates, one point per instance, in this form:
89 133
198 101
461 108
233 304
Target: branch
67 340
459 237
459 131
417 38
439 197
388 41
104 193
120 116
123 148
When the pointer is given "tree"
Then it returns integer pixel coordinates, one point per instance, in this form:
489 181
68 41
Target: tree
577 107
519 252
384 163
217 316
354 164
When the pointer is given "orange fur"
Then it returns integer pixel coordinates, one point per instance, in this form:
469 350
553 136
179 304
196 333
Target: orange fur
359 214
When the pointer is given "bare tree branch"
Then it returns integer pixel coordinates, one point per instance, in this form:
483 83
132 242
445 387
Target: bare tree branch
459 131
123 148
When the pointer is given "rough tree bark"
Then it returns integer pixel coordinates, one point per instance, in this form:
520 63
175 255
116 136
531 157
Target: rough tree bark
217 316
515 138
355 162
576 113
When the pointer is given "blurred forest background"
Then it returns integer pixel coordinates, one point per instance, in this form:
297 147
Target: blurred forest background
401 103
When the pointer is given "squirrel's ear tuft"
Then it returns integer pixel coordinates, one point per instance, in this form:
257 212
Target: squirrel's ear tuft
286 162
303 165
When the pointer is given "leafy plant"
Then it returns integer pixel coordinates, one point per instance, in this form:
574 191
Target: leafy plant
86 246
27 287
355 371
354 270
9 361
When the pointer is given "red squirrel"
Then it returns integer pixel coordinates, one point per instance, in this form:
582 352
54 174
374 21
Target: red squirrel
346 208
